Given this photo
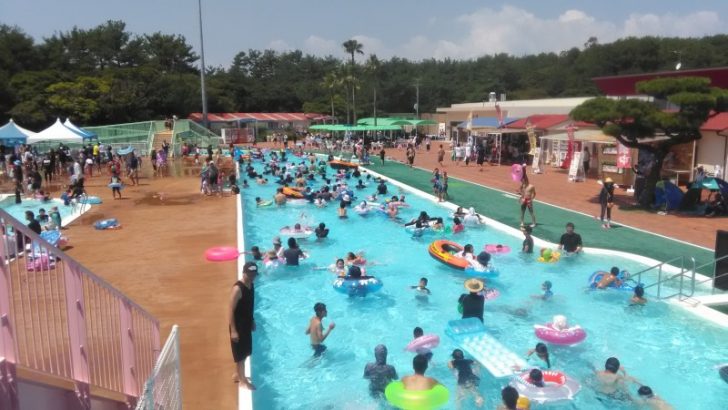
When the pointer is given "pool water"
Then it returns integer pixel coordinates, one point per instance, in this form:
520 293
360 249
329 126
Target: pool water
664 347
18 210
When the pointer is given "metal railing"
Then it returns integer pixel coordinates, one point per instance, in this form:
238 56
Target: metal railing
681 277
163 389
59 319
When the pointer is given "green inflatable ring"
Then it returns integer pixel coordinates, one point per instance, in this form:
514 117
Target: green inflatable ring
431 399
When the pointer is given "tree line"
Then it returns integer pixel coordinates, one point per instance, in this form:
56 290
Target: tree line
107 74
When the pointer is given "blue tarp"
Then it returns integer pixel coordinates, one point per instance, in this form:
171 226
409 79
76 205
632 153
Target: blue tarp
124 151
667 194
490 122
10 134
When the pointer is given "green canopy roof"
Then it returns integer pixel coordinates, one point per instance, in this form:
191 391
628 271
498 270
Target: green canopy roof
354 128
395 121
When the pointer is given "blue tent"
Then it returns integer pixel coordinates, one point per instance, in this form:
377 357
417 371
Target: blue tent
13 135
487 122
668 195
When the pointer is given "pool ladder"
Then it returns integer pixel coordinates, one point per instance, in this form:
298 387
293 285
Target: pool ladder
685 291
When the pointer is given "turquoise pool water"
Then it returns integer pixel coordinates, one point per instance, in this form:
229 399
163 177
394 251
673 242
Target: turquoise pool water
661 345
18 210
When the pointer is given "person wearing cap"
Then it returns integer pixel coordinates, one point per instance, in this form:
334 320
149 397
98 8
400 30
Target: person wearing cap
379 373
473 302
650 400
277 250
316 329
241 322
527 246
606 200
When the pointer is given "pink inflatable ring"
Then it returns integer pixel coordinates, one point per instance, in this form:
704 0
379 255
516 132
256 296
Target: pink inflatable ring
567 337
222 253
501 249
423 342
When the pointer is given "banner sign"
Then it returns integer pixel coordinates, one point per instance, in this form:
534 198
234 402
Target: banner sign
624 159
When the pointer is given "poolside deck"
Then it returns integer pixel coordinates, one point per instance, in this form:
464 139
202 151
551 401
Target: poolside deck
157 260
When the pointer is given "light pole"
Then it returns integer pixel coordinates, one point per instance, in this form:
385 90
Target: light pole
417 104
202 68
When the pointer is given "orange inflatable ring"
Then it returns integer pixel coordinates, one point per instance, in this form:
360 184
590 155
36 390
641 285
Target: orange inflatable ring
442 250
292 193
336 164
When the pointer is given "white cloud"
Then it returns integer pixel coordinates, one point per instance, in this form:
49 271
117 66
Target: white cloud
279 45
518 31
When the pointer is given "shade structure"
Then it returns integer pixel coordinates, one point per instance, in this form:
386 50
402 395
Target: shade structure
79 130
487 122
12 134
56 133
395 121
354 128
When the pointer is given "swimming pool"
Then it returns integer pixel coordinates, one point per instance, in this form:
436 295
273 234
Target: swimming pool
18 210
660 344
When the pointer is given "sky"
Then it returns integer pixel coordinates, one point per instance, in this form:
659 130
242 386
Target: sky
414 29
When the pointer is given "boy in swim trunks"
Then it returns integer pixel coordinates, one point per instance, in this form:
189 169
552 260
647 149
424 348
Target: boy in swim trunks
609 279
422 287
528 195
419 381
316 329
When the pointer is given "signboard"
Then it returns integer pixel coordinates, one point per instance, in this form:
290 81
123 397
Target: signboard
576 168
441 128
532 140
536 164
624 159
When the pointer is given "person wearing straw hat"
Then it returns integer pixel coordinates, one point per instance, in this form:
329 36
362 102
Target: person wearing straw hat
473 301
606 200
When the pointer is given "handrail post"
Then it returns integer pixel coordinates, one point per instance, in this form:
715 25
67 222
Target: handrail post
76 316
659 281
8 378
128 356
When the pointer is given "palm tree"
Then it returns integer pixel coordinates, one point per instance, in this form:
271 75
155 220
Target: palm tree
353 47
331 82
372 67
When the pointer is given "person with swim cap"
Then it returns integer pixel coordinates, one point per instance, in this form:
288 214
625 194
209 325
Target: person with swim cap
651 400
379 373
547 292
468 381
316 329
610 279
418 381
473 302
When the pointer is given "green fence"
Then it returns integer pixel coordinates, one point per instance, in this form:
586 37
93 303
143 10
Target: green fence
192 133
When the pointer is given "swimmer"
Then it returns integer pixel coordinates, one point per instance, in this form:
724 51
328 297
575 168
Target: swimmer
535 376
245 184
345 201
255 252
610 279
293 254
422 287
422 351
379 373
297 228
459 212
527 246
612 380
541 358
438 225
277 250
418 381
316 329
651 400
319 202
339 268
354 272
468 381
547 292
279 197
509 396
259 202
322 231
360 185
483 258
457 226
355 259
639 296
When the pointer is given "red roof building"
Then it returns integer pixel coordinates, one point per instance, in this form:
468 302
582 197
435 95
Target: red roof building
717 123
259 116
626 85
539 121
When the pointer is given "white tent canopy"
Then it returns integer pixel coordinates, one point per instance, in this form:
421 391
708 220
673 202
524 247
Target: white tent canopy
56 133
78 130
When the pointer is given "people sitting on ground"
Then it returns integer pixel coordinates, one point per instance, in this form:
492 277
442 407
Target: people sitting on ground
717 207
379 373
610 279
322 231
638 298
418 381
468 381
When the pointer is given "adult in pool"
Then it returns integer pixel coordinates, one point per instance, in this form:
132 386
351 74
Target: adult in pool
509 396
473 302
650 400
293 253
418 381
570 241
468 381
638 298
322 231
241 322
379 373
316 329
612 381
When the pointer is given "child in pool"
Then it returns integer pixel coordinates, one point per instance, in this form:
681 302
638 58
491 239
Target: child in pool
639 296
418 333
468 381
421 287
541 358
457 225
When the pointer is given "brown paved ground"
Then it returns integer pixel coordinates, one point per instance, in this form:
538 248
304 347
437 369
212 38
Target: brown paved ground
552 187
157 260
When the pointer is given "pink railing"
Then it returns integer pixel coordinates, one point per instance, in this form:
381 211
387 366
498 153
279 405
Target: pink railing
59 319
